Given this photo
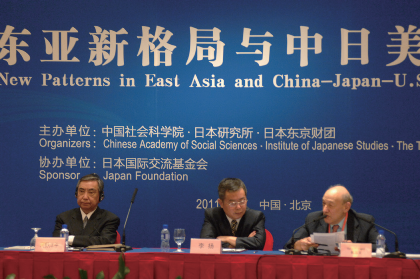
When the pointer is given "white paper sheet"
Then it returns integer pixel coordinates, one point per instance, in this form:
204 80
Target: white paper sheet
328 241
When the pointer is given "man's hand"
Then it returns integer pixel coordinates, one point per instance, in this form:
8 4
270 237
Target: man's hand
232 239
304 244
229 239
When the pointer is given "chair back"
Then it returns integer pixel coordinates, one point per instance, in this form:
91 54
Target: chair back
269 241
118 239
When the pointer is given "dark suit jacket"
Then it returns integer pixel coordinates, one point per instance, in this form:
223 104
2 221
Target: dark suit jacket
100 229
358 231
216 224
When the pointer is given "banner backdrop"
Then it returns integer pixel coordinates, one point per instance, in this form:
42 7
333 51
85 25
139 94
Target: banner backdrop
170 97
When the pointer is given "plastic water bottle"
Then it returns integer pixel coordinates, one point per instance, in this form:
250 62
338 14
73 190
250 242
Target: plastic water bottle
380 244
164 239
65 233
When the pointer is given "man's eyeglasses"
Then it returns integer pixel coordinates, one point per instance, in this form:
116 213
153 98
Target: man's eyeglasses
234 204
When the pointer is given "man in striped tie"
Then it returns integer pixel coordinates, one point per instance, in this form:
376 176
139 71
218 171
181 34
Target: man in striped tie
236 225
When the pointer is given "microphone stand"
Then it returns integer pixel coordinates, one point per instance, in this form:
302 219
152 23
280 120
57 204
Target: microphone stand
123 247
397 253
295 251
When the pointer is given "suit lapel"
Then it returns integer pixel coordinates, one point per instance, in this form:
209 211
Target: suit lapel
353 228
241 224
322 228
76 225
225 225
92 224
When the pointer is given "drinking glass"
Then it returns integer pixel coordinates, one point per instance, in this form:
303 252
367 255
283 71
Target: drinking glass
32 244
179 237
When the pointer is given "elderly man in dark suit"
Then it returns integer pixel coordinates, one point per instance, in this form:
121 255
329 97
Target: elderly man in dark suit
236 225
88 224
336 206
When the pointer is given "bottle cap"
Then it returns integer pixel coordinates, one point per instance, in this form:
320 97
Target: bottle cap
381 232
165 226
64 226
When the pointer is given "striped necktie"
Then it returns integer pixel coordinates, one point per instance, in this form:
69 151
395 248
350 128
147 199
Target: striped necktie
85 221
233 227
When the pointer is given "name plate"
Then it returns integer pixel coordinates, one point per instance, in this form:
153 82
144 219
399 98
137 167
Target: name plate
50 244
205 246
356 250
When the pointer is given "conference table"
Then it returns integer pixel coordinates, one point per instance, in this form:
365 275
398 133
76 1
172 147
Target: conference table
149 263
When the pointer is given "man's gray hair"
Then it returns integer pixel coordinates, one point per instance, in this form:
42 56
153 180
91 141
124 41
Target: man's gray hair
92 177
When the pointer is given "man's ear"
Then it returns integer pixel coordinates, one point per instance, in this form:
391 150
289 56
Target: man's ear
347 207
220 202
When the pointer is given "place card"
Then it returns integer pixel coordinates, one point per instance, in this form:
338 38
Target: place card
205 246
50 244
356 250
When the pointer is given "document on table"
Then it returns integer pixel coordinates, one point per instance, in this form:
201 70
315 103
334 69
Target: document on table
18 248
233 250
328 241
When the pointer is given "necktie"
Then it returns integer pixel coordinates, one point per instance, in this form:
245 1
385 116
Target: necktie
85 221
335 228
233 227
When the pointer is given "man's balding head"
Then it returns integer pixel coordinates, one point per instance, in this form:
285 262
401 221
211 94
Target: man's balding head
336 202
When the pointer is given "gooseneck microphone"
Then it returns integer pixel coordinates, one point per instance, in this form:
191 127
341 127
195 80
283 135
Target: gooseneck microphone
124 248
397 253
295 251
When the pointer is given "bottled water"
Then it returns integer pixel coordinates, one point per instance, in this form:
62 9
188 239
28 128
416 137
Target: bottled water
164 239
380 244
65 233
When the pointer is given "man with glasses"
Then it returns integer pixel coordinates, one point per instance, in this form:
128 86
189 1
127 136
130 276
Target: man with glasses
236 225
88 224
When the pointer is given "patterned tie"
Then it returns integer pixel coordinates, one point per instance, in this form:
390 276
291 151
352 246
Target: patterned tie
233 227
85 221
335 228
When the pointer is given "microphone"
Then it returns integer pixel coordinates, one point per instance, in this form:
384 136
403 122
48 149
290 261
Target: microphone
124 248
397 253
295 251
134 196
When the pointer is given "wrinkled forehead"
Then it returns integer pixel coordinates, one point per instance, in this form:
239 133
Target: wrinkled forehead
235 199
235 195
87 185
